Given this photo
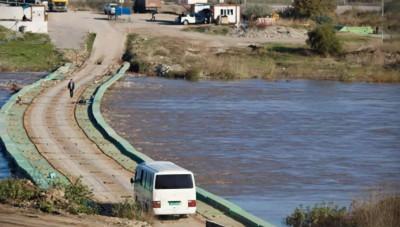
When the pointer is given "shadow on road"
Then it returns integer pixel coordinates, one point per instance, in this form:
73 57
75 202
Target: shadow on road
162 22
103 18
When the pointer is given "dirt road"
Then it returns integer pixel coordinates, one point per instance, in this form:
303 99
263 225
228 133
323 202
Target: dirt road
51 124
65 34
14 216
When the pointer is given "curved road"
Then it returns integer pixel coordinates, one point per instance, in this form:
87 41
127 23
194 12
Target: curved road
50 119
50 122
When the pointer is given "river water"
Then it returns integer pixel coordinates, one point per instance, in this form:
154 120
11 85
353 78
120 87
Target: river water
266 146
24 78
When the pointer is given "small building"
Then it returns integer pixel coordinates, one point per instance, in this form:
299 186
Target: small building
24 19
226 13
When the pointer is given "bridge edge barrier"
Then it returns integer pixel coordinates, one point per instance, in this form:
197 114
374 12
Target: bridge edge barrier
11 148
228 208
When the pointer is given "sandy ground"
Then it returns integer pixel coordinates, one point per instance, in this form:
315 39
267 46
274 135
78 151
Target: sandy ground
163 26
15 216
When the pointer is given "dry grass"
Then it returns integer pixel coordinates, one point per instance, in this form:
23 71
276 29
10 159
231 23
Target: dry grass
211 62
377 210
295 23
272 61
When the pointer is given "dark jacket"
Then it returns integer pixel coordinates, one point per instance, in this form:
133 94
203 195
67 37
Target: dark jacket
71 85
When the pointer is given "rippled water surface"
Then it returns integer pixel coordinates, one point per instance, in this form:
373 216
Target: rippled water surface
266 146
24 78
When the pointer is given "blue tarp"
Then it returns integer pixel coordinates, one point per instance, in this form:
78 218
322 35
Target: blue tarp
125 10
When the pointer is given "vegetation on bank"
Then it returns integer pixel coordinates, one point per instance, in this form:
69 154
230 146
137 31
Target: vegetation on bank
75 198
378 210
173 58
35 52
329 54
89 42
27 52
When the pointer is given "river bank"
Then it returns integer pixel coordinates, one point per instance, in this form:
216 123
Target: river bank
366 59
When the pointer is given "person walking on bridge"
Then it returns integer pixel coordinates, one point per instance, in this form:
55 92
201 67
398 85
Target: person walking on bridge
71 87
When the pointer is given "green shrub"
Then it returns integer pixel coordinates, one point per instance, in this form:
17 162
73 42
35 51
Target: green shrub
46 206
319 215
80 199
378 210
257 10
192 74
89 42
16 191
126 210
313 8
323 40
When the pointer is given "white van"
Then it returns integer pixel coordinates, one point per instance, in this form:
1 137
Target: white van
164 188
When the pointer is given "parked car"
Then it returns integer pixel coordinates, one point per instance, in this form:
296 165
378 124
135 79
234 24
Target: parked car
109 8
193 18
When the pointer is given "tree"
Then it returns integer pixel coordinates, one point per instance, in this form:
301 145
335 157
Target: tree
314 8
257 10
323 40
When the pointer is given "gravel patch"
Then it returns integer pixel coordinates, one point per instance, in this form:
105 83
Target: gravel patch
271 32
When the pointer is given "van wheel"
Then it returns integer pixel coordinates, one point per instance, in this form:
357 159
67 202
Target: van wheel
185 22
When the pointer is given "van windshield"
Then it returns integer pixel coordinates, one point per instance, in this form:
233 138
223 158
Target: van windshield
175 181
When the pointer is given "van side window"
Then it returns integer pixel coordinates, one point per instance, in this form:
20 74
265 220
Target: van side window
142 182
147 182
138 175
151 183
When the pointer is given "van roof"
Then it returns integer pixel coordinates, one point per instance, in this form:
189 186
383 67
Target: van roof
162 166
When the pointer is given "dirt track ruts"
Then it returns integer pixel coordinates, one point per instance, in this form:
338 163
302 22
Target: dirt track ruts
50 120
51 125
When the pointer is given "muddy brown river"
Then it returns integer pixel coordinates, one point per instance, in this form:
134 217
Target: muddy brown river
266 146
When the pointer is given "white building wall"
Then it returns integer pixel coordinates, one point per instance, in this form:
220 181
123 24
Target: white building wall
232 12
11 18
11 13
